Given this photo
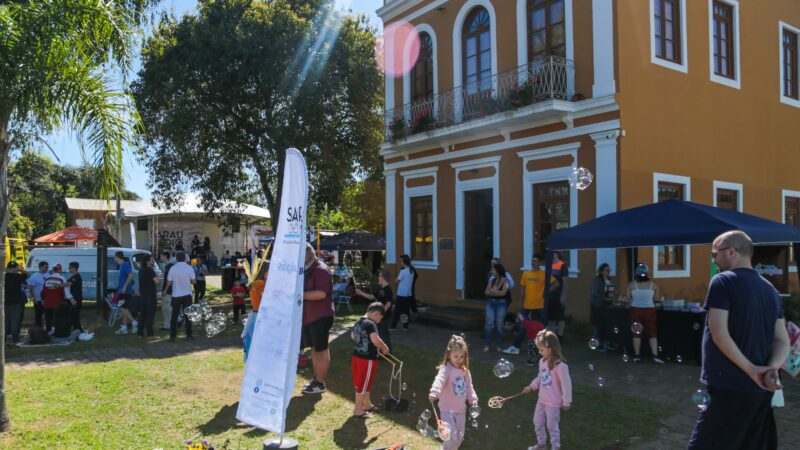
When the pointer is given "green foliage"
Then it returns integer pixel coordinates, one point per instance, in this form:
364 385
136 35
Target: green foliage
361 207
38 187
223 94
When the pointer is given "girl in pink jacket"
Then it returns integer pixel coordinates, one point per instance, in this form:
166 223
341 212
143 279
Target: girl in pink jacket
453 388
555 390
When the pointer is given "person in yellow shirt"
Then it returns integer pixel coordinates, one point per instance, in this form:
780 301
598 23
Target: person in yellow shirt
532 293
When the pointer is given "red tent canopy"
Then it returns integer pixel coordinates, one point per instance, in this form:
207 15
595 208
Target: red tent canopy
69 234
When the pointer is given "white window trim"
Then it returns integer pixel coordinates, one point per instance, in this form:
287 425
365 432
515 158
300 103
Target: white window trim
522 38
735 83
458 27
784 99
493 183
421 28
687 249
787 193
530 178
684 65
391 232
420 191
738 187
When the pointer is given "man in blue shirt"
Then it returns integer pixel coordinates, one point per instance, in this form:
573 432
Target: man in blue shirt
125 289
35 285
744 344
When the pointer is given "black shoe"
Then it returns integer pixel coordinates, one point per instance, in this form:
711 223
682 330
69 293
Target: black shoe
314 387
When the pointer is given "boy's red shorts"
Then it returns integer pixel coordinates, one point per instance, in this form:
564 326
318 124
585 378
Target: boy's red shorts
363 374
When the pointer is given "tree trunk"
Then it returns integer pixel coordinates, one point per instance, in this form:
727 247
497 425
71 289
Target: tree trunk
5 153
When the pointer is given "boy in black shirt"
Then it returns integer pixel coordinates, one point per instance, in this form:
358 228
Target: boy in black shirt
75 283
367 342
16 278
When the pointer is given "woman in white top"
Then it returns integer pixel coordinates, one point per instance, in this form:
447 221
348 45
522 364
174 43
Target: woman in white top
641 294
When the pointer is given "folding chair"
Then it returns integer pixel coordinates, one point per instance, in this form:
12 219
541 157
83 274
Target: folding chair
339 299
112 305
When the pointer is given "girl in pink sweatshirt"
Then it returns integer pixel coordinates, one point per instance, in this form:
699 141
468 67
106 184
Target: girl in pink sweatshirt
453 388
555 390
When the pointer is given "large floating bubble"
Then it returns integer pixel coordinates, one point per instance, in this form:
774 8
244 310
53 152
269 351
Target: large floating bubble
503 368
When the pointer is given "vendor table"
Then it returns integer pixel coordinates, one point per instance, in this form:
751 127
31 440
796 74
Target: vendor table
680 333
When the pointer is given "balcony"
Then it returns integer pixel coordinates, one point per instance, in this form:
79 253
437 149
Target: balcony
544 79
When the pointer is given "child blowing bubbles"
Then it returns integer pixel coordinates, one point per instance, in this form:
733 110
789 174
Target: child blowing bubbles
366 345
453 388
555 390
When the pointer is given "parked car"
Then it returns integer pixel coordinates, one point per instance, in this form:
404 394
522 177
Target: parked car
87 259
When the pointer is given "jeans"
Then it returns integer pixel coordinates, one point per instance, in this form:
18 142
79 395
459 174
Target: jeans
199 290
403 306
76 315
38 310
166 309
178 303
527 314
13 314
495 319
147 315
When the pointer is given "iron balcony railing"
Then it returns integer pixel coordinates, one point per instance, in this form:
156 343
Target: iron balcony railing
546 78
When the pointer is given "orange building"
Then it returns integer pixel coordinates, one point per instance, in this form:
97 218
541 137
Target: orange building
659 99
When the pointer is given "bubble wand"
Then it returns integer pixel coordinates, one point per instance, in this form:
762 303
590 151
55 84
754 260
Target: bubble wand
497 402
442 427
397 375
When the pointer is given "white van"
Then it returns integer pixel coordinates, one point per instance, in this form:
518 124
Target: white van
87 261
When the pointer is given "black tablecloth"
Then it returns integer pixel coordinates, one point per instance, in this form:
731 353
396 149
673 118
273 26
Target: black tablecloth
680 333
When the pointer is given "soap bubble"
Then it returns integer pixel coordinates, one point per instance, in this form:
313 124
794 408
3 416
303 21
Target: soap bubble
425 415
591 367
403 318
660 350
475 424
193 313
616 330
594 343
696 326
701 399
216 324
503 368
486 425
629 377
679 359
404 386
581 178
636 328
625 358
601 381
474 411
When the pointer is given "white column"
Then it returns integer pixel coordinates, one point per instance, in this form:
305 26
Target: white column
391 242
603 46
605 181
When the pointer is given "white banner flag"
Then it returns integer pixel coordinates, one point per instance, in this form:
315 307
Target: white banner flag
271 367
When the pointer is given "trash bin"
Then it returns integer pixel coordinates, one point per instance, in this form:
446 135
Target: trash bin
228 277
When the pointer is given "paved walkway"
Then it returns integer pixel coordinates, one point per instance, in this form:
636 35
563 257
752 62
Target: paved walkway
669 383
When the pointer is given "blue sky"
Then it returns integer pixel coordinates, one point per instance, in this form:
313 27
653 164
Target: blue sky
65 143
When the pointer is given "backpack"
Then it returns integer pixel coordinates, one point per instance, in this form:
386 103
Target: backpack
52 297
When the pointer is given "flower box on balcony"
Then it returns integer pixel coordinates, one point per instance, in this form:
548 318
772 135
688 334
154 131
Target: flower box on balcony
524 94
422 121
398 128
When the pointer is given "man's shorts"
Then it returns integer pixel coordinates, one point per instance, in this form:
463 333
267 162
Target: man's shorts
363 374
316 334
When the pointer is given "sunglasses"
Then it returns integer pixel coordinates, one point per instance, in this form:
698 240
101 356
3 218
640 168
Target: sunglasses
714 253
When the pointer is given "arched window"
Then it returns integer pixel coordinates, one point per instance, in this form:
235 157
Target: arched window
546 28
422 75
477 51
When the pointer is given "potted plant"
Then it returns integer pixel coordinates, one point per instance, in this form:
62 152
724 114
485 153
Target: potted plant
422 121
398 128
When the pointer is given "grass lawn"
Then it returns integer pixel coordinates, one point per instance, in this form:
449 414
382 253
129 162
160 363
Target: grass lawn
160 403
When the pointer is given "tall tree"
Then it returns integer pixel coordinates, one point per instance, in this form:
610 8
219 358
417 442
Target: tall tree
223 94
55 61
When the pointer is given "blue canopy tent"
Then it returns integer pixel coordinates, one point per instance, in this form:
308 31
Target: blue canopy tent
672 222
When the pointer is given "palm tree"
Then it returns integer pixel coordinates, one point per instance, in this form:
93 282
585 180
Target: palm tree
57 64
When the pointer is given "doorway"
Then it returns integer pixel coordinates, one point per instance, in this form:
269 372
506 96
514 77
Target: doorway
478 241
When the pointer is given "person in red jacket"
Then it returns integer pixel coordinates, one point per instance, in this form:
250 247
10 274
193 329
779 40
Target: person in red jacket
238 292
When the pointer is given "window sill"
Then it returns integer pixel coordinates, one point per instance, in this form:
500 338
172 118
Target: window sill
678 67
790 101
671 273
733 83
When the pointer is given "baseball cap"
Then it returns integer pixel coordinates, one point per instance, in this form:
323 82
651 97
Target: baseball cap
12 264
57 267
